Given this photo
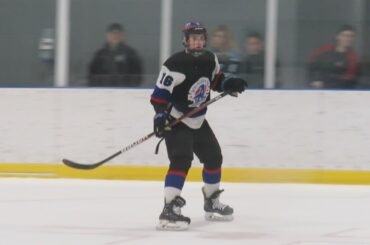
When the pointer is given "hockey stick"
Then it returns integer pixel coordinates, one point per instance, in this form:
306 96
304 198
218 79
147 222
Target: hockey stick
73 164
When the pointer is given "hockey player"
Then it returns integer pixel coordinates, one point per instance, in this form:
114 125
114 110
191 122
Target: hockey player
184 82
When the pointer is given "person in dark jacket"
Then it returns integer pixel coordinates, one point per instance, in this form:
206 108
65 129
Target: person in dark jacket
335 65
116 64
253 65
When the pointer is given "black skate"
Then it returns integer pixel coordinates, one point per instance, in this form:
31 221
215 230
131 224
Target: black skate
215 210
171 218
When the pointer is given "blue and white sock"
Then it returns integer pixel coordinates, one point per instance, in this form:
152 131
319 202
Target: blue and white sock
173 184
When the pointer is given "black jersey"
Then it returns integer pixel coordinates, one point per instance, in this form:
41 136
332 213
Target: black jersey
185 81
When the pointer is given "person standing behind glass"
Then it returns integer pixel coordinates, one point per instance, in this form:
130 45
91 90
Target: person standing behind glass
223 45
253 65
116 64
335 65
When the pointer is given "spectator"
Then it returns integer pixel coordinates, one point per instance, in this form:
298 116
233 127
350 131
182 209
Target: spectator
223 45
253 66
335 65
116 64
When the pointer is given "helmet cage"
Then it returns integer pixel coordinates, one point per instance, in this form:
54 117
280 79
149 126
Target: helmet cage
194 28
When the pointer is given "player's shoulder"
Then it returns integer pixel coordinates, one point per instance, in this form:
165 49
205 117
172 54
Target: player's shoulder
209 54
209 57
176 57
175 61
178 61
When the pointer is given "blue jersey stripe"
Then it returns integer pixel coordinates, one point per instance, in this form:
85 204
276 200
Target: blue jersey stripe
161 94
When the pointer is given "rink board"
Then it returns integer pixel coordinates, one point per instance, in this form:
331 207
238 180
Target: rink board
195 174
265 135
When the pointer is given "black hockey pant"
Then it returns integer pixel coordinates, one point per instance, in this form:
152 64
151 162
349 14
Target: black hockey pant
182 142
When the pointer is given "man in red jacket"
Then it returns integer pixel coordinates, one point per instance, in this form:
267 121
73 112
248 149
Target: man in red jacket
335 66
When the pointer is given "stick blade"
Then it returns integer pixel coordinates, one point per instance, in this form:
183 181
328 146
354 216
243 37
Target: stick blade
73 164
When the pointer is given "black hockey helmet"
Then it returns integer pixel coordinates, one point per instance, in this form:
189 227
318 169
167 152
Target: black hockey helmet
193 28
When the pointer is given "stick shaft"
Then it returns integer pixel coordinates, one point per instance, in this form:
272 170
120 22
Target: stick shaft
141 140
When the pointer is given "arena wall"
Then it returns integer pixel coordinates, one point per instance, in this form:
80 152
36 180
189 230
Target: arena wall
266 135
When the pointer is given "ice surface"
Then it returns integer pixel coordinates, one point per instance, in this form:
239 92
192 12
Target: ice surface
98 212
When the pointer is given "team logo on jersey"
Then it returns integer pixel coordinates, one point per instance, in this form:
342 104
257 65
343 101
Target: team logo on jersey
199 92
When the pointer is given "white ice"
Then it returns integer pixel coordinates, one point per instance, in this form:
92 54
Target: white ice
97 212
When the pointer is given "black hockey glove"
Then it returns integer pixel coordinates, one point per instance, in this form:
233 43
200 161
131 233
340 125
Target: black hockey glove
160 121
234 85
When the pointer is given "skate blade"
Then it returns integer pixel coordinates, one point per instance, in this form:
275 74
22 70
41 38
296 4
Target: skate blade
165 225
218 217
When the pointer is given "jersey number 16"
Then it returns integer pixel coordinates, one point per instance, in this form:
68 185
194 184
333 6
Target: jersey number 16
166 80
